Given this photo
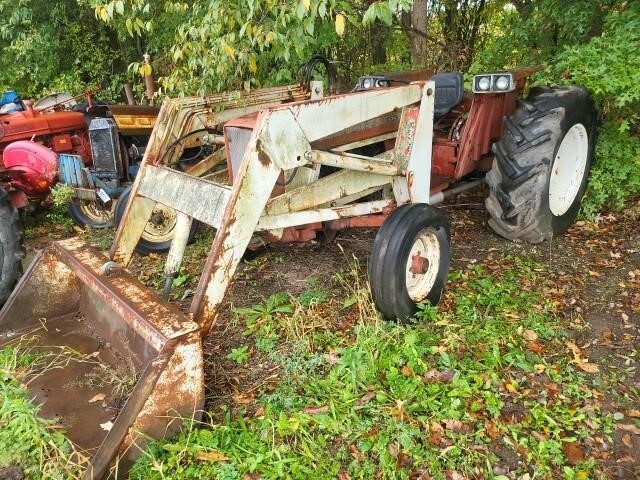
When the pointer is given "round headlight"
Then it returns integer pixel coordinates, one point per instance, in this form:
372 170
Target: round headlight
366 83
484 83
502 83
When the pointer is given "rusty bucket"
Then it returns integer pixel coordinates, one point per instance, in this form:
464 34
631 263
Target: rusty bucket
72 297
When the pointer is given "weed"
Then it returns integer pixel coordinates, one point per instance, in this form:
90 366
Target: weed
392 401
38 446
239 355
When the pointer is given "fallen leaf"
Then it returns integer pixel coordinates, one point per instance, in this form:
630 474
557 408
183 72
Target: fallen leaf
397 412
444 376
212 456
627 427
535 347
343 475
97 398
626 439
633 413
588 367
582 363
593 274
511 388
436 434
492 429
393 449
355 453
107 426
539 368
573 452
530 335
455 426
316 410
407 371
366 399
404 461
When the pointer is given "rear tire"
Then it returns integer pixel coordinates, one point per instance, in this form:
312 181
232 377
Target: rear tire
409 260
158 235
88 215
11 249
541 164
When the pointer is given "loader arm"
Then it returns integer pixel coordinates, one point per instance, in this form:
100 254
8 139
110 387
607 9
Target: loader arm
281 142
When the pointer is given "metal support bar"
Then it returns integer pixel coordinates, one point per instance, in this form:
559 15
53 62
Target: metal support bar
351 161
462 187
273 222
186 194
256 178
419 166
136 218
176 251
328 189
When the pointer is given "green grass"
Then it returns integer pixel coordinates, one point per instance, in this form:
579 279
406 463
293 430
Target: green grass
441 396
38 446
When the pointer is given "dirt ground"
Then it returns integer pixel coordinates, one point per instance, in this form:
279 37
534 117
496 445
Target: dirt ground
592 274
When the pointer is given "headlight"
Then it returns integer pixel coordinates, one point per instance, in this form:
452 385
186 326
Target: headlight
494 83
502 82
484 83
372 81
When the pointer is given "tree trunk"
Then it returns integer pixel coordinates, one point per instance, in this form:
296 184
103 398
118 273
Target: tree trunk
378 34
418 26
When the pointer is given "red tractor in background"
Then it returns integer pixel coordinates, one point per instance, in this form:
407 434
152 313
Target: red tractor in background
92 147
29 169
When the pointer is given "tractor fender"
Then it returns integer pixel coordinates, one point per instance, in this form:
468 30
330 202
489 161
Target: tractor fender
38 167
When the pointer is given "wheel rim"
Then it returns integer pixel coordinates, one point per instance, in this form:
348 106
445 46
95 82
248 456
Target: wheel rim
423 265
95 214
568 169
161 225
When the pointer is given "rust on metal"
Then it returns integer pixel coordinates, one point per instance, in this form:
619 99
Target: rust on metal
102 318
419 264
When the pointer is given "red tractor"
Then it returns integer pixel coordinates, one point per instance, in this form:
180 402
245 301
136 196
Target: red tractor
94 148
29 169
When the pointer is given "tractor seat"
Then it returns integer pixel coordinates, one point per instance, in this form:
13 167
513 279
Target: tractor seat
449 91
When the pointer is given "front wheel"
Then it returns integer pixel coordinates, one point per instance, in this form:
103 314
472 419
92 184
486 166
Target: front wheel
11 250
409 260
541 164
159 231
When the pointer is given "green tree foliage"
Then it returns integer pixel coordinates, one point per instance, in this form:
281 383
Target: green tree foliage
231 44
58 45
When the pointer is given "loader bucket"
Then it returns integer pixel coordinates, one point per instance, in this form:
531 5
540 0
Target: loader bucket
70 300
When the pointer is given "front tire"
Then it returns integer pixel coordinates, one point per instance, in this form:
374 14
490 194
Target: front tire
409 260
541 164
11 249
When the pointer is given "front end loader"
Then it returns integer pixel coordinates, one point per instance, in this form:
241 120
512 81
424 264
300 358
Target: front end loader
284 168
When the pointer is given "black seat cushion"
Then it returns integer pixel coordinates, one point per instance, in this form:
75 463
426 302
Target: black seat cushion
449 91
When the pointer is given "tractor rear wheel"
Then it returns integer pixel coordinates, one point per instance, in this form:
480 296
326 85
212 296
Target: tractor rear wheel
11 250
541 164
159 231
89 214
409 261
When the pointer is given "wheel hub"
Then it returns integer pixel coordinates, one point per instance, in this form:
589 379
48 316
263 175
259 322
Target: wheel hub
419 264
568 170
423 264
